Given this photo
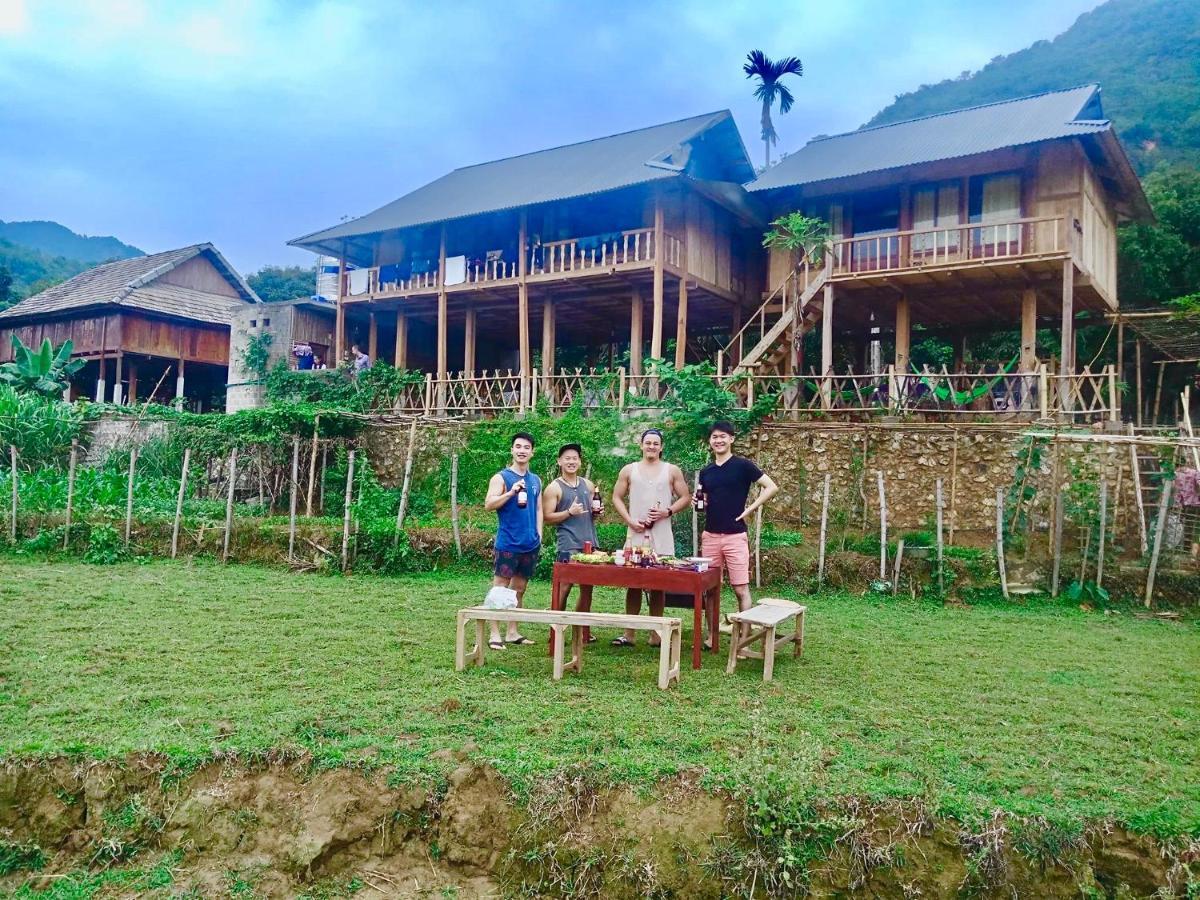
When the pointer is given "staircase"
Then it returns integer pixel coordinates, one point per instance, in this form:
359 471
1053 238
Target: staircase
1147 479
797 301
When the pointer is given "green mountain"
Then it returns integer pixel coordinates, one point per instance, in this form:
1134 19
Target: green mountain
56 240
1145 54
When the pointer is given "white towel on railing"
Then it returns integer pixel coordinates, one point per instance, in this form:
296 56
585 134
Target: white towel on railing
359 279
456 269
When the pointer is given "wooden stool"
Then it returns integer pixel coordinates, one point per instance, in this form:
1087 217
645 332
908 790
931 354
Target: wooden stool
767 616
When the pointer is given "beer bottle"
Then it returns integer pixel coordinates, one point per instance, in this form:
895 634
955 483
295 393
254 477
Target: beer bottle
522 497
701 500
597 503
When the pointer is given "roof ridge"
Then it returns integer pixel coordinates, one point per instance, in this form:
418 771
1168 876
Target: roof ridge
961 109
593 140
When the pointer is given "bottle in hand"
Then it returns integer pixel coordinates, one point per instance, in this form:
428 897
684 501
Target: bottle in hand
597 503
522 497
701 500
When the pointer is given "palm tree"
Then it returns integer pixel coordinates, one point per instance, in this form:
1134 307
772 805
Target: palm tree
769 72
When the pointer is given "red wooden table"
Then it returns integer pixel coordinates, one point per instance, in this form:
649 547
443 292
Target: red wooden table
703 587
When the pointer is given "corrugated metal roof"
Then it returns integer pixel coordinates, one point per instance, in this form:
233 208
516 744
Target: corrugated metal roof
132 283
962 132
602 164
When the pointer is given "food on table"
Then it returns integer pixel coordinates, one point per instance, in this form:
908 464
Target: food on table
596 557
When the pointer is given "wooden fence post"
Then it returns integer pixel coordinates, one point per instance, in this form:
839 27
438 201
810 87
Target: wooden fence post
70 492
1000 542
183 478
408 458
1103 532
454 504
12 525
882 526
758 547
292 500
1164 507
346 510
824 524
312 468
229 504
940 545
133 455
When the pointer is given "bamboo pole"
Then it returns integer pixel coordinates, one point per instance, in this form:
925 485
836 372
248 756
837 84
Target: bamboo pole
229 504
882 525
758 547
183 478
262 479
940 546
1000 542
824 524
1087 549
12 525
312 468
1162 365
1163 506
133 455
1137 347
454 504
324 469
408 458
70 492
1103 532
362 483
953 486
896 568
346 510
292 496
1056 538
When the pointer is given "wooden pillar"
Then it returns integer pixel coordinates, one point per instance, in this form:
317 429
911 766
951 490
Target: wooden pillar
826 345
903 334
657 321
401 361
339 327
372 337
441 311
1162 366
1029 360
523 293
133 375
179 379
116 391
1137 362
1067 351
735 351
548 336
469 342
636 315
100 380
681 323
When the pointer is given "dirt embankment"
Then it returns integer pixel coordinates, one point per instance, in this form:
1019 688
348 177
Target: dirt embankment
281 829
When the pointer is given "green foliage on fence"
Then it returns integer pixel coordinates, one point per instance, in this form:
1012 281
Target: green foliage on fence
40 428
373 389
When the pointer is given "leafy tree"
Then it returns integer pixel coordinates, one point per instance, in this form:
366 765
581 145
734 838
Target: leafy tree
1161 262
46 372
796 231
6 281
277 283
771 89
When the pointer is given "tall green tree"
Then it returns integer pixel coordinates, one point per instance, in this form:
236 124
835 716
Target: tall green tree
6 280
770 89
276 283
1161 262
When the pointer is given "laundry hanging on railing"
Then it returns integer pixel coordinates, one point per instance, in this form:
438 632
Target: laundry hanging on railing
360 279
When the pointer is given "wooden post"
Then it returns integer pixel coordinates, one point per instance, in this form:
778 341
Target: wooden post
903 335
442 327
940 546
229 504
100 386
324 469
12 460
1000 542
1162 366
1120 361
636 315
117 391
758 547
882 526
1137 363
454 504
133 455
1044 389
372 336
401 358
312 468
408 458
339 321
1066 364
548 326
523 299
346 510
1029 360
70 491
826 347
656 323
133 380
292 499
183 479
681 320
1056 550
179 399
896 567
1164 506
469 342
824 525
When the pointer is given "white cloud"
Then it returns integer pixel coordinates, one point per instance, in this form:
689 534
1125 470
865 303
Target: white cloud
14 18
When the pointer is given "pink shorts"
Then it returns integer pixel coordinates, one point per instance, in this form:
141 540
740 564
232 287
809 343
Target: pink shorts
729 550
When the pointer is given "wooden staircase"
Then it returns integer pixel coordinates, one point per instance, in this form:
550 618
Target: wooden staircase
1147 479
794 307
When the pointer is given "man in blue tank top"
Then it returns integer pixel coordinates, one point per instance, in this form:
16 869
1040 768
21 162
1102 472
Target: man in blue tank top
515 495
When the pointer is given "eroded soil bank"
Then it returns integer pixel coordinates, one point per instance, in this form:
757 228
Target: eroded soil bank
279 829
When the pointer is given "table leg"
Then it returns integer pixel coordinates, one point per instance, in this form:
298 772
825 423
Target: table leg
697 626
460 643
714 619
768 652
798 650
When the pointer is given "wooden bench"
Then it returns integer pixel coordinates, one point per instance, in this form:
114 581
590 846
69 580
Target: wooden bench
767 616
670 632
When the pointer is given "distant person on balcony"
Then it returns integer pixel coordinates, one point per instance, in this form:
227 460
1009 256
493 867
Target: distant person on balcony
725 485
318 362
304 355
362 362
515 496
656 491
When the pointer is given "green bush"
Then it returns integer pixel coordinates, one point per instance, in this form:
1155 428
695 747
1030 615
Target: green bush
41 429
106 546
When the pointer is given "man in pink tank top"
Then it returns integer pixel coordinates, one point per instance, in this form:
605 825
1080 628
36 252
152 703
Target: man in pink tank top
656 490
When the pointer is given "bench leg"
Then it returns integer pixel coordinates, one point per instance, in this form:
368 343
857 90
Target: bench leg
734 646
557 633
578 632
768 653
480 641
460 643
676 647
799 649
665 637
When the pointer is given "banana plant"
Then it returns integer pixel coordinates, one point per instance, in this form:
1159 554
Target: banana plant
46 372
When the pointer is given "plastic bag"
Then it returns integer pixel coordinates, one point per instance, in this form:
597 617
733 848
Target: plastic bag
500 598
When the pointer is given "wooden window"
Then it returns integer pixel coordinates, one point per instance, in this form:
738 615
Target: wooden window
995 198
935 211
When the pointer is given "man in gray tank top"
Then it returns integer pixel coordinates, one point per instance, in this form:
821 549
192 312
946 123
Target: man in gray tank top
567 503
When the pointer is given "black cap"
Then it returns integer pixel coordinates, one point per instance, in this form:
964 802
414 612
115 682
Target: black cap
565 447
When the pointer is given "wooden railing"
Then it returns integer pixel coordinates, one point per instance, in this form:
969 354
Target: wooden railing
787 294
601 251
1089 396
926 247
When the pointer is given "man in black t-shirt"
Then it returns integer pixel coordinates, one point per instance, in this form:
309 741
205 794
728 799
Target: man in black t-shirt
726 483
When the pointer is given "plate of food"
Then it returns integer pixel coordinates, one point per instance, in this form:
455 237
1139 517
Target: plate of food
595 558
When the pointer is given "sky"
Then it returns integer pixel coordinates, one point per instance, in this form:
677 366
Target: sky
251 122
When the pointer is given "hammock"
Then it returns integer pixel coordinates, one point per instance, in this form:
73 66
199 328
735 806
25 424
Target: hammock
957 398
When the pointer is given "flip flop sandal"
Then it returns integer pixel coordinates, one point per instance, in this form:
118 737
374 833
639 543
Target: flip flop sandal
520 640
622 641
496 645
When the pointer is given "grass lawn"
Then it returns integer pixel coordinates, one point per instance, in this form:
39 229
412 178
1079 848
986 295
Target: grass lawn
1040 710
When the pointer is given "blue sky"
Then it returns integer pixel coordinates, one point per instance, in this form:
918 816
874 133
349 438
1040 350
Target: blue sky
249 122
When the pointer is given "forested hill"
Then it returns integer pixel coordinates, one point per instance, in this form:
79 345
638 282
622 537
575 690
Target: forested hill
1145 54
54 240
